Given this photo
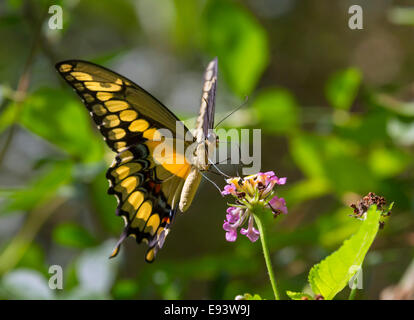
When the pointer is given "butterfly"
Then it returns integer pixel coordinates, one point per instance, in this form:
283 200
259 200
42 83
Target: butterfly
149 190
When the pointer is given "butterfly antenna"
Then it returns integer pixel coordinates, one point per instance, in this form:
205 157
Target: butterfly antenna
216 173
238 108
238 165
214 165
225 160
211 181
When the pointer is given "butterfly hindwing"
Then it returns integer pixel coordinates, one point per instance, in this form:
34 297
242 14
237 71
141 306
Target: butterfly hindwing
147 196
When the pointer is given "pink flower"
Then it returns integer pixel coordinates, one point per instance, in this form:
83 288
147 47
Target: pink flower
233 214
228 189
278 205
250 232
231 234
281 180
251 191
234 219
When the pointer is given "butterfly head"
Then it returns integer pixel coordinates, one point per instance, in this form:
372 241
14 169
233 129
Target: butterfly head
211 143
204 150
212 139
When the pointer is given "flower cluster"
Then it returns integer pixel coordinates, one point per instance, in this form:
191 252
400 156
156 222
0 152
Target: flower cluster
251 191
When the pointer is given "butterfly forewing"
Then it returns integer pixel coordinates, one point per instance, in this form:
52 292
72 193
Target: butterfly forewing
205 119
123 111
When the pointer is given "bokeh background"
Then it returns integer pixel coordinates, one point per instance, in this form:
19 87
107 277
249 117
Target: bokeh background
337 116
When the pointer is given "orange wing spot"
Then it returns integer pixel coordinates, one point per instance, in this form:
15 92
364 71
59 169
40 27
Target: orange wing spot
166 220
176 163
157 188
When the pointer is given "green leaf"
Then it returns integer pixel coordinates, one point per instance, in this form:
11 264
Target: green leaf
34 259
239 41
186 25
277 110
60 118
306 152
40 190
336 160
368 129
342 88
298 295
386 162
248 296
70 277
73 235
8 116
401 15
332 274
125 289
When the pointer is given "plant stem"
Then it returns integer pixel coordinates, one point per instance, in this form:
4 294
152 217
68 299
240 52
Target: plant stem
352 294
24 79
21 242
267 256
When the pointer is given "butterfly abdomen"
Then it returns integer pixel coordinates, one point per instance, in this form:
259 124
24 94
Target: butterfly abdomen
189 189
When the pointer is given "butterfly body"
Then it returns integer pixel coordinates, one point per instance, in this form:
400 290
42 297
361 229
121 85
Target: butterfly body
149 188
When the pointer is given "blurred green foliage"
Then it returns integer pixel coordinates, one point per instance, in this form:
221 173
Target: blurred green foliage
335 107
62 111
277 111
72 235
234 35
342 88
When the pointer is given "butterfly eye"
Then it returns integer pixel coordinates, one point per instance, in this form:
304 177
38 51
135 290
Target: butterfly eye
212 138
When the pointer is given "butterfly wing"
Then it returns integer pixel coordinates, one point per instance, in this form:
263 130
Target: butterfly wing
128 117
205 120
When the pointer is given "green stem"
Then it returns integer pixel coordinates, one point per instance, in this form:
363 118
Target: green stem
352 294
267 256
16 249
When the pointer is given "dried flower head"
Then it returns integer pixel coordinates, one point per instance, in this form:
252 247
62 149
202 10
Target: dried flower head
362 206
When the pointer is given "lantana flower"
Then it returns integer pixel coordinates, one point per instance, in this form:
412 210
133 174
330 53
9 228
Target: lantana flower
251 192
